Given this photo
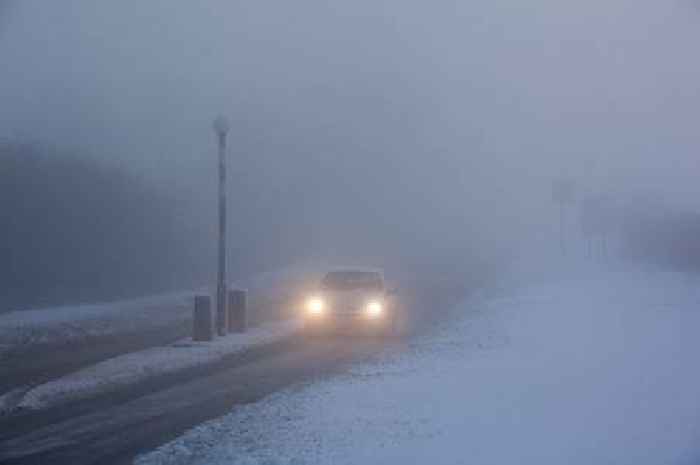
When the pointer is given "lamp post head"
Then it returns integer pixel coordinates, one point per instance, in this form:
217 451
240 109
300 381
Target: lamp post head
221 125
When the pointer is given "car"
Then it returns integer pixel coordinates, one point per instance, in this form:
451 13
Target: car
351 299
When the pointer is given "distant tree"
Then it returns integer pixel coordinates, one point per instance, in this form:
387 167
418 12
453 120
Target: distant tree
662 235
78 229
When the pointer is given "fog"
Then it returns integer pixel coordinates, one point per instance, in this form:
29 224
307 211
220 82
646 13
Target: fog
400 133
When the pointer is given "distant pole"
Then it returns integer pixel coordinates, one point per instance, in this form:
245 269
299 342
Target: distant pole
221 128
563 195
562 230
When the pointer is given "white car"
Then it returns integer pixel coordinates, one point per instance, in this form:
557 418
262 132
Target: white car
350 298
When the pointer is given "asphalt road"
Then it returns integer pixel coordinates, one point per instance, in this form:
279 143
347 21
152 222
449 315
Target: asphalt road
114 428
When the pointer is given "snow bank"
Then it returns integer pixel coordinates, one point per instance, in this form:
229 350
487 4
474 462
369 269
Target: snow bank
138 366
597 369
73 323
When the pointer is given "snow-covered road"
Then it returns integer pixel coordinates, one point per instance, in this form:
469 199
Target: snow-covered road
578 370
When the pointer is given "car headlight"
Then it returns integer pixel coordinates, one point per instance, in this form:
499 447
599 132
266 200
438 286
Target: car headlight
374 309
315 306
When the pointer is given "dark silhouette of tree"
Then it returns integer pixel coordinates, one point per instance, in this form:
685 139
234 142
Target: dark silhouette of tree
77 229
662 235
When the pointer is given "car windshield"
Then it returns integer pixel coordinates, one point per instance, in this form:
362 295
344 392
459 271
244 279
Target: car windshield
352 280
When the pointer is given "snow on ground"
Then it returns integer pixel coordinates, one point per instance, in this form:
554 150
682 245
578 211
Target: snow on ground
600 368
73 323
138 366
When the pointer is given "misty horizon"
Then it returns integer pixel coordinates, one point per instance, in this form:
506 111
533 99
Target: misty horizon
441 127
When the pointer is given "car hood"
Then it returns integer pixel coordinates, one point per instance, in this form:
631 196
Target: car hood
355 298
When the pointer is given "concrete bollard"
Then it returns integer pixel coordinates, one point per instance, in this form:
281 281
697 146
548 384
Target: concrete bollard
237 311
202 327
222 324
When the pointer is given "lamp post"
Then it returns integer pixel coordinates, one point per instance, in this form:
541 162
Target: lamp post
221 127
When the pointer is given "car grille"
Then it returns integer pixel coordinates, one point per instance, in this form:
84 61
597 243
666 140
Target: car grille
346 310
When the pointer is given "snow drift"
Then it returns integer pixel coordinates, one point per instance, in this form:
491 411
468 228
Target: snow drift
59 325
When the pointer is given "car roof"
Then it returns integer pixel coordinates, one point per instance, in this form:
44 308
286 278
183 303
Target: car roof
355 269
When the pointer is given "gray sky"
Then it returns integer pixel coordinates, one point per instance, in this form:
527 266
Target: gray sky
442 106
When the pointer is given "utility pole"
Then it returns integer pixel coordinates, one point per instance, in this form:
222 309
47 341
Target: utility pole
221 127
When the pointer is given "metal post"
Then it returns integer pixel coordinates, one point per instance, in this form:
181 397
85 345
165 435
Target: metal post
221 129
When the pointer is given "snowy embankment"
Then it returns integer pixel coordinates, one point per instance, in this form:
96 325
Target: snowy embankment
597 369
25 328
69 324
138 366
270 293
